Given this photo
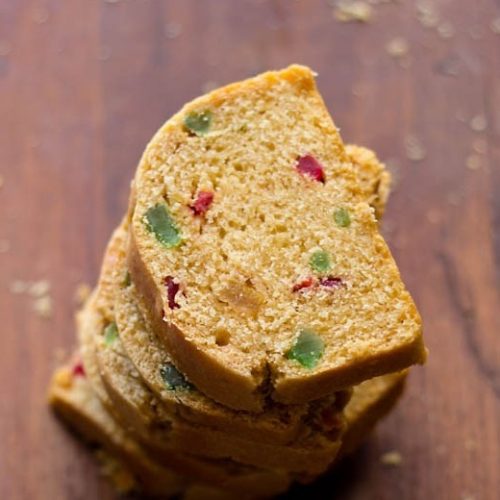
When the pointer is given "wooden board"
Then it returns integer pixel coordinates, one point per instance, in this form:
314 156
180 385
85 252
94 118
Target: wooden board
83 86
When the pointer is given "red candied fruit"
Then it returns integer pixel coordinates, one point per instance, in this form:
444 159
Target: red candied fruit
331 282
308 165
172 289
78 369
202 202
306 283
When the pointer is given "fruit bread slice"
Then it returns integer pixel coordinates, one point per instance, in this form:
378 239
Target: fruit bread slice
280 424
72 397
257 255
208 470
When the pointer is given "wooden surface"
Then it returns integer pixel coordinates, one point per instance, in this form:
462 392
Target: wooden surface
83 86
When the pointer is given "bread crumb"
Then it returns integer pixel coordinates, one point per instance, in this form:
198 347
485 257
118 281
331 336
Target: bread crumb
415 151
39 288
40 15
1 181
4 246
82 293
43 306
478 123
495 26
5 48
398 47
173 30
347 11
473 162
427 14
446 30
392 458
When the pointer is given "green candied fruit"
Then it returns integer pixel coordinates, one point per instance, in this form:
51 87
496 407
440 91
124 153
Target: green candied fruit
198 122
320 261
110 333
342 217
308 348
173 378
162 225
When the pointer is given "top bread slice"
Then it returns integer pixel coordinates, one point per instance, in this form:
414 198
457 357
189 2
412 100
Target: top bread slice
257 254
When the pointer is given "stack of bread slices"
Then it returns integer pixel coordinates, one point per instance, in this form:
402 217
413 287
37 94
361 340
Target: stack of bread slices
249 326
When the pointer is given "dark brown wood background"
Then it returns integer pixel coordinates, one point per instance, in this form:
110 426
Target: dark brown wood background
83 86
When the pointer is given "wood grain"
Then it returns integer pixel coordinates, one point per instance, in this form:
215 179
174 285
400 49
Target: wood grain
83 86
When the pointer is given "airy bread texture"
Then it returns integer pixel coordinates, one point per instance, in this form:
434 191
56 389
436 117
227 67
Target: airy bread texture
277 175
280 424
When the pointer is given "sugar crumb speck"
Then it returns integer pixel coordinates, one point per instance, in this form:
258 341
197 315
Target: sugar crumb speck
347 11
478 123
415 151
392 458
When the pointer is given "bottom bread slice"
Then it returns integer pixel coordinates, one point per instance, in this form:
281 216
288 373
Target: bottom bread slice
72 397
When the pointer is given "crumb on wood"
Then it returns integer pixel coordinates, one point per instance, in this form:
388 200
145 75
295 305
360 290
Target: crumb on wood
479 123
40 15
427 14
173 30
1 181
473 162
40 288
43 306
39 291
415 151
397 47
392 458
82 293
347 11
446 30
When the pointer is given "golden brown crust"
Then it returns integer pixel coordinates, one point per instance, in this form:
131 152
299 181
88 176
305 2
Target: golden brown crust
392 360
